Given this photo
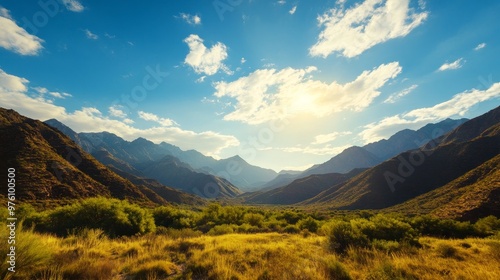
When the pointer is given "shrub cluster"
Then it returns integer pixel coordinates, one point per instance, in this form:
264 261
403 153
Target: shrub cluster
115 217
121 218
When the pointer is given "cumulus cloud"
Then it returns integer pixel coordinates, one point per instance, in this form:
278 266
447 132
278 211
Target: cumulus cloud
191 19
16 39
457 64
205 60
14 94
270 94
353 31
457 106
117 111
293 10
73 5
396 96
154 118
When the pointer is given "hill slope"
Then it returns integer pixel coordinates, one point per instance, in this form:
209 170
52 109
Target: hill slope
51 166
417 172
300 189
172 172
141 152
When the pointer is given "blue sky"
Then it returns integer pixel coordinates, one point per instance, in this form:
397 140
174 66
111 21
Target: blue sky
284 84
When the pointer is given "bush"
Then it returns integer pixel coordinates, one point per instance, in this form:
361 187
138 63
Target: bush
114 217
291 229
388 228
444 228
309 223
253 219
342 235
487 225
221 229
171 217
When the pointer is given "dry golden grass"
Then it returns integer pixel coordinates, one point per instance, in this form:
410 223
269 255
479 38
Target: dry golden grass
91 255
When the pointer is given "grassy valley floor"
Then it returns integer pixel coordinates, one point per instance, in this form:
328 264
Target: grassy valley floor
91 255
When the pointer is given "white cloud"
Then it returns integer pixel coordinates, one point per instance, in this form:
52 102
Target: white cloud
12 83
293 10
117 111
480 46
14 95
191 19
73 5
396 96
281 2
154 118
205 60
269 94
457 106
43 92
325 138
90 35
353 31
201 79
16 39
457 64
243 60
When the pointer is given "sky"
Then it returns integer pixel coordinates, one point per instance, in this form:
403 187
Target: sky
284 84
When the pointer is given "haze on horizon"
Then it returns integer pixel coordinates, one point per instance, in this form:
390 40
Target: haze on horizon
283 84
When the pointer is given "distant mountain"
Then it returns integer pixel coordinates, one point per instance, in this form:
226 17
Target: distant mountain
171 171
141 152
300 189
126 171
49 165
373 153
417 172
408 139
347 160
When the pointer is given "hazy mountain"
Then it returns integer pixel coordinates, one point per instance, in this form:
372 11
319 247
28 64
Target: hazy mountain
373 153
141 152
416 172
300 189
126 171
172 172
347 160
49 165
408 139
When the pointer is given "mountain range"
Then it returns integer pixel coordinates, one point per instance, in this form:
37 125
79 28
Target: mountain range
371 154
50 166
450 169
141 153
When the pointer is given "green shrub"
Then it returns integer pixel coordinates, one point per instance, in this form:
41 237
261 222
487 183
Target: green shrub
253 219
309 223
221 229
342 235
171 217
291 229
388 228
114 217
487 225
